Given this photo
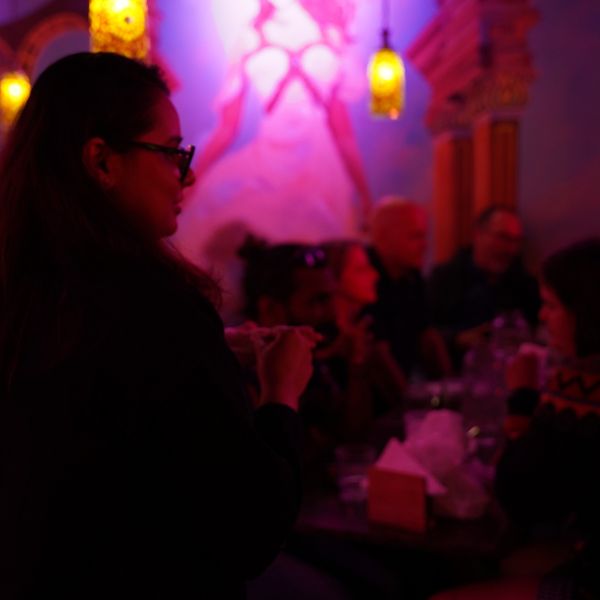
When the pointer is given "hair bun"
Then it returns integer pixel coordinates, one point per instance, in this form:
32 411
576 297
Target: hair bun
253 248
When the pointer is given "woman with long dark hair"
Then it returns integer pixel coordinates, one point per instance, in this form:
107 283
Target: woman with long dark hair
131 465
547 476
356 290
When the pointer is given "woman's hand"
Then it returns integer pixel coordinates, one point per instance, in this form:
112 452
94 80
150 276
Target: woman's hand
523 371
284 364
353 342
247 341
243 341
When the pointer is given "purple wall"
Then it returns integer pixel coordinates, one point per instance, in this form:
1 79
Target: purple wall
560 140
397 155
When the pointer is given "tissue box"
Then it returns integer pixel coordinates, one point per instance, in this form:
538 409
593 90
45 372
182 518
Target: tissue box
397 499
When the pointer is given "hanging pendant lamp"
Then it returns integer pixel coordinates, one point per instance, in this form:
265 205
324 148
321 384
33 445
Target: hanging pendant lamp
14 91
386 75
120 26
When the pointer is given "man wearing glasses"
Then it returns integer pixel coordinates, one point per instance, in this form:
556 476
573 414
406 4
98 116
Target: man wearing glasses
480 282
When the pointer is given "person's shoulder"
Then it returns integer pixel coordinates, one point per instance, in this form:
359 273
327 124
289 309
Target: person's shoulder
519 271
416 275
136 294
120 285
413 280
459 263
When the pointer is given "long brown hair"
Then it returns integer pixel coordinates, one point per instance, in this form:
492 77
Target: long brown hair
53 214
573 274
337 252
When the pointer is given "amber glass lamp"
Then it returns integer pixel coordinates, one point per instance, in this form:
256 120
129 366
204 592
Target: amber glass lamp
386 76
120 26
14 91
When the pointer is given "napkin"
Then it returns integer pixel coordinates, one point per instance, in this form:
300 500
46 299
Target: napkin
395 458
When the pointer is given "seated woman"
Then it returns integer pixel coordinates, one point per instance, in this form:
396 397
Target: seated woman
356 289
292 284
130 463
547 474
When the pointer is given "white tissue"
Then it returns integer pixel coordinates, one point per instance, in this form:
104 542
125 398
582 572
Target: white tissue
395 458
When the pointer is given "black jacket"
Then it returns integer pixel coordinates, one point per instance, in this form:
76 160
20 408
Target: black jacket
401 313
131 463
461 296
548 477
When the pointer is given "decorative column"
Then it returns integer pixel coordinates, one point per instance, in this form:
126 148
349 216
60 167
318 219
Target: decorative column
474 54
496 143
453 191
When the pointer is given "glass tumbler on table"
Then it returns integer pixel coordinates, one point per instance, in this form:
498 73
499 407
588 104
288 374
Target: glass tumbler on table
352 462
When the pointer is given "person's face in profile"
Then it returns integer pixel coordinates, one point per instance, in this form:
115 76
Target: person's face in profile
358 279
312 301
404 237
148 185
498 243
559 321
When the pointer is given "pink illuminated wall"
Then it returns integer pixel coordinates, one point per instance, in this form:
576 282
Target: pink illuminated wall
202 41
276 98
300 171
296 157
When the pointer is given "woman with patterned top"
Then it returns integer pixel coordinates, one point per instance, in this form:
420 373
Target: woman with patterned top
546 478
547 474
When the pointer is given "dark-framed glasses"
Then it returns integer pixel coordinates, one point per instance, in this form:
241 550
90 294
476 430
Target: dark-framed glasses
182 157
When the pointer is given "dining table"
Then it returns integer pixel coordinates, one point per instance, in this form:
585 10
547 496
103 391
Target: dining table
450 551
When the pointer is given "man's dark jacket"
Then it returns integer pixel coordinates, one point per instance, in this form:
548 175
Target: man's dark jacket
461 295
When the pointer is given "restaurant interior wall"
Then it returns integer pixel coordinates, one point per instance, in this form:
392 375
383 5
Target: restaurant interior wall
560 131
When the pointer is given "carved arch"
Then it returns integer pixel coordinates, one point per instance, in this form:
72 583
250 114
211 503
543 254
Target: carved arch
43 33
7 56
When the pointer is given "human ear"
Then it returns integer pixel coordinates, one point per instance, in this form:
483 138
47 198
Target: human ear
98 160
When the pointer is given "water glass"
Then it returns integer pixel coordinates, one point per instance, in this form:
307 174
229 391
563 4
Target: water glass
352 462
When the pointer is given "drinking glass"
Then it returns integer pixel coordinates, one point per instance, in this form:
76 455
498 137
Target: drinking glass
352 462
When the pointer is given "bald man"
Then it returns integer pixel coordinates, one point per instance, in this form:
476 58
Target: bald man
398 231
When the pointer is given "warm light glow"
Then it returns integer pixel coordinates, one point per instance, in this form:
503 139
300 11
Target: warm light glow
385 73
120 26
120 5
387 80
14 91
